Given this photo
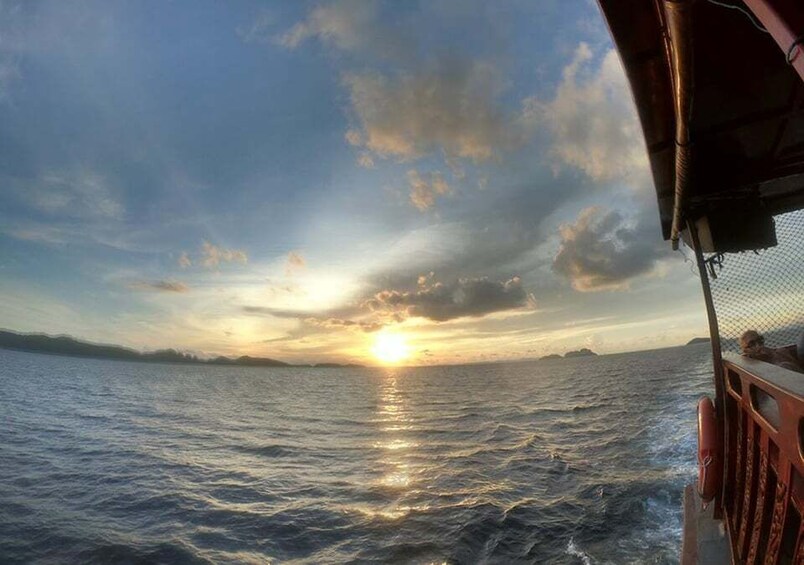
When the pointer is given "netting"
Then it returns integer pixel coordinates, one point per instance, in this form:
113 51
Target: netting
762 290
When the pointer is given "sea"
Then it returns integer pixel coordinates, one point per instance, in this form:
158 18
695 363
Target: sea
569 461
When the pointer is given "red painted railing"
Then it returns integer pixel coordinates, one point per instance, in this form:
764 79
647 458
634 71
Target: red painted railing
763 495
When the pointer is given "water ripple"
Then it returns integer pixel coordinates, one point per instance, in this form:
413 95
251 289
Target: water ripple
580 461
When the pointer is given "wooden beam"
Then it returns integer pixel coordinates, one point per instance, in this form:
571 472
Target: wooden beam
784 20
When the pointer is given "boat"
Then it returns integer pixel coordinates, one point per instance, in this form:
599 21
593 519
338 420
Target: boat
719 90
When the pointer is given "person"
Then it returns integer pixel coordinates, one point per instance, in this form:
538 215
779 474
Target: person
800 349
752 344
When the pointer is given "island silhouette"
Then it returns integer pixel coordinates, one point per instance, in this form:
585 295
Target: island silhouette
584 352
71 347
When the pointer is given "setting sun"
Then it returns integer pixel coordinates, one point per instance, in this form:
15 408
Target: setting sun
390 348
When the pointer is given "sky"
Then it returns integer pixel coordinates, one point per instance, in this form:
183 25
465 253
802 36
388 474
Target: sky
307 180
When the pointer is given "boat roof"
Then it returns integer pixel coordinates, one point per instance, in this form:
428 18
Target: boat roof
746 124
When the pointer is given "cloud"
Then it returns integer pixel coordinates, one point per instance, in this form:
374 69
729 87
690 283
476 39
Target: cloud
337 319
600 251
365 160
344 312
14 34
423 190
339 323
342 24
159 286
353 137
469 297
349 25
212 256
9 73
259 31
493 233
81 194
295 262
451 107
593 121
184 260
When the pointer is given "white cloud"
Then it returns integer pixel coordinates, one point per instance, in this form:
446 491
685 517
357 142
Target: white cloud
365 160
593 120
75 194
259 31
184 260
9 73
295 262
353 137
348 25
212 255
452 108
424 190
13 37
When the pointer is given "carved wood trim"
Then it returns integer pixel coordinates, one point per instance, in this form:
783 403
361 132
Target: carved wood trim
763 469
739 472
779 514
799 554
759 509
745 515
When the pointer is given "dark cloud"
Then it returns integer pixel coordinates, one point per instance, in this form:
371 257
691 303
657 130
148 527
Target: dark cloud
463 298
600 251
437 301
274 312
344 312
159 286
492 233
338 323
328 320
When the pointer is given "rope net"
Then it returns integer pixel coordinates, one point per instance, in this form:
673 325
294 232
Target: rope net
762 290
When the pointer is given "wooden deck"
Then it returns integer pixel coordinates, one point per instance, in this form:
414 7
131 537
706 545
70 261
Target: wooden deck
705 541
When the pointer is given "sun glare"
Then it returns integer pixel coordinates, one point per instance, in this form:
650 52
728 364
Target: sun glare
390 348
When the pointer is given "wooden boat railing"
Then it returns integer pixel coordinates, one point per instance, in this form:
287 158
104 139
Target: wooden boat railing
763 435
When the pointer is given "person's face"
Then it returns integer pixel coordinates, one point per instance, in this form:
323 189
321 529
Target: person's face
752 342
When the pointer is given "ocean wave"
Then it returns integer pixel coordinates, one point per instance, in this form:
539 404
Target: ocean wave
574 551
137 554
544 464
269 450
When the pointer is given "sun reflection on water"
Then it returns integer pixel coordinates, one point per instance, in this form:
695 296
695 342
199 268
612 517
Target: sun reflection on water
394 416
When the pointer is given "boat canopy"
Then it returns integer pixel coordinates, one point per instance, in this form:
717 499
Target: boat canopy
718 89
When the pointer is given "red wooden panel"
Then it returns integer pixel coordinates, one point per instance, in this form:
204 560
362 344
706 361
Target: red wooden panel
739 465
799 555
765 472
747 514
779 511
762 487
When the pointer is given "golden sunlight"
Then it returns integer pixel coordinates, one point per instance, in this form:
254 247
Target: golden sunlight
390 348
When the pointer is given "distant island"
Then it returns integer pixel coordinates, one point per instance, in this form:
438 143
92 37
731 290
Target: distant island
580 353
68 346
697 340
570 354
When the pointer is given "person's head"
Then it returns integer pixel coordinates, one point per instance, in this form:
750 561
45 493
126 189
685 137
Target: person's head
751 342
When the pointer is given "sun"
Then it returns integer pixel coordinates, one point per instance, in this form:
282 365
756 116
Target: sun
390 348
